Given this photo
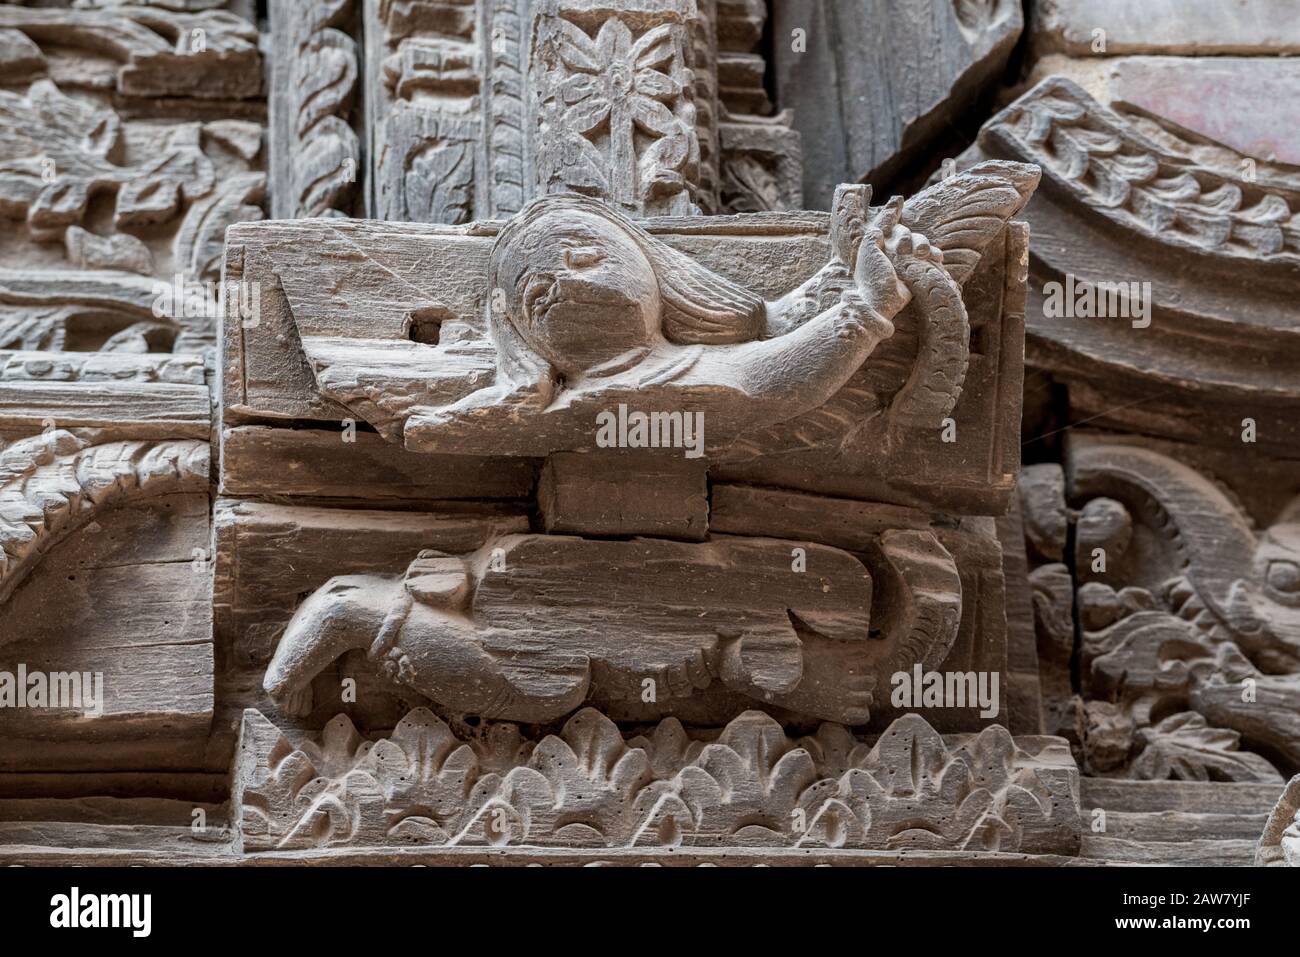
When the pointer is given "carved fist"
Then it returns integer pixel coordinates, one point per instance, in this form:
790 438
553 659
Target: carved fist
857 318
874 272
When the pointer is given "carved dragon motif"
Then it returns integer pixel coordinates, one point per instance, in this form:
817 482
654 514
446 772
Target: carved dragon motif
1208 620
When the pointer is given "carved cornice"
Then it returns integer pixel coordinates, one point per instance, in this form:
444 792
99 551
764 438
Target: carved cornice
1163 273
1101 160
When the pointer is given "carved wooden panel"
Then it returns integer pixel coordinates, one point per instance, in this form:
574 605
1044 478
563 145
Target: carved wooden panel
443 430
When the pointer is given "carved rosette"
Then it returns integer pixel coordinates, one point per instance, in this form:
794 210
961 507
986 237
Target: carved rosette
614 104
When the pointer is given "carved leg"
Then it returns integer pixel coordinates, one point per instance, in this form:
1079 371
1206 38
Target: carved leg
344 613
450 660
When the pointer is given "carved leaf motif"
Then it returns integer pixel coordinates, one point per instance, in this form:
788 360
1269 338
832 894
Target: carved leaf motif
586 115
962 215
1184 747
200 241
575 49
1143 176
325 168
596 779
439 183
652 116
654 84
613 42
33 327
750 781
753 786
654 49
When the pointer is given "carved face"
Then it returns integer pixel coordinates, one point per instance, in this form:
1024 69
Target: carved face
1277 570
586 293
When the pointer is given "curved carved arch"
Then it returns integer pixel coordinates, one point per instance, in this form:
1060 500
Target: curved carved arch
53 483
1159 269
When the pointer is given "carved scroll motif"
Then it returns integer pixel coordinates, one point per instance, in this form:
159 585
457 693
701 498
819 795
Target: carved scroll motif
131 166
754 786
317 153
53 483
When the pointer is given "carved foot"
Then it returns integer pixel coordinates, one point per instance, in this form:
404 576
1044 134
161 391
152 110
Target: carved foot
838 681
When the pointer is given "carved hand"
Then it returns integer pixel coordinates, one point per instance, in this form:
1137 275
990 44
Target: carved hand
874 272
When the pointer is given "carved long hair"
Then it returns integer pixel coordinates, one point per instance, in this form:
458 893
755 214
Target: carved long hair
698 305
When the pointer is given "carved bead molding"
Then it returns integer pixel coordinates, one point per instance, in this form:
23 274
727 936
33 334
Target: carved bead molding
588 786
1203 239
1279 845
53 483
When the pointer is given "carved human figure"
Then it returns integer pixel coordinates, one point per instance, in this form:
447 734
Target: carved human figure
588 310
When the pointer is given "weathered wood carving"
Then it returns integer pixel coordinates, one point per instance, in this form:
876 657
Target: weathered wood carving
1147 244
575 494
587 786
675 337
874 84
1279 845
316 151
1200 646
127 159
530 627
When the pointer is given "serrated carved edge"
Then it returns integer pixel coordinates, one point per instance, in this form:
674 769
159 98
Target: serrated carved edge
53 483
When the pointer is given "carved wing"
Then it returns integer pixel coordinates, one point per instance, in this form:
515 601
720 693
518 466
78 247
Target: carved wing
964 213
915 377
